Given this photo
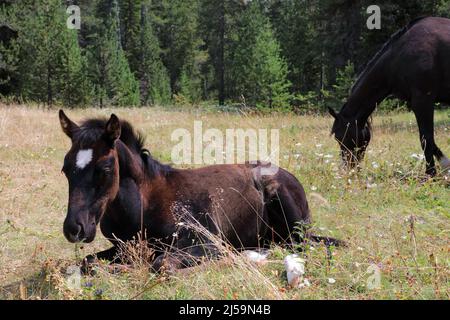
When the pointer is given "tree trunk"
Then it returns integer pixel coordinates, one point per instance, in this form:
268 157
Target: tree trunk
221 60
49 86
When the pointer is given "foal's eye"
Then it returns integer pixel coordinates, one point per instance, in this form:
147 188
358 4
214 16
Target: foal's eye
103 170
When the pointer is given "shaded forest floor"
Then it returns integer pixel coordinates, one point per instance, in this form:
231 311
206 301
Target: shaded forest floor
371 210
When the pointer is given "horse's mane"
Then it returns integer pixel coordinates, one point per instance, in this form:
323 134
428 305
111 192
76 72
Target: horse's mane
92 129
383 49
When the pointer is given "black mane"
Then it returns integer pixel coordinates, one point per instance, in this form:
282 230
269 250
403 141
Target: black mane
383 49
91 130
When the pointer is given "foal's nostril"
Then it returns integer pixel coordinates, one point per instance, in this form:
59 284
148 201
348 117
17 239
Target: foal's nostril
74 232
80 234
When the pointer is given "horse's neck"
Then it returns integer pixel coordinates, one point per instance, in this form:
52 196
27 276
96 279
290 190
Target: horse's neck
139 176
131 165
143 169
370 91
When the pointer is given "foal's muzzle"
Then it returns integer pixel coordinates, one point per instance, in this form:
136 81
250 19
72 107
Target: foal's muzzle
76 231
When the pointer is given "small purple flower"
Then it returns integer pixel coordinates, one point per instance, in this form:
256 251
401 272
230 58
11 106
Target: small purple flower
98 292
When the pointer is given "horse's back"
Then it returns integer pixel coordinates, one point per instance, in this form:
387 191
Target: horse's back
424 42
418 60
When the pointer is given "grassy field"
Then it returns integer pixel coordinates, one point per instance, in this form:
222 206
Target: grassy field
387 214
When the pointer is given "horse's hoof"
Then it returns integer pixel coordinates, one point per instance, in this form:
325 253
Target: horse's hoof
163 265
428 177
87 266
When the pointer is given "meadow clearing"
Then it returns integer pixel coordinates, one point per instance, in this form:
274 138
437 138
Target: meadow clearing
387 214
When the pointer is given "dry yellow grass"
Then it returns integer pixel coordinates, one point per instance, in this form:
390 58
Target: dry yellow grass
370 210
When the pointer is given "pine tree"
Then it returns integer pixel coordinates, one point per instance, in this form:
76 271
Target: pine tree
153 76
271 72
218 26
176 23
124 87
213 27
115 83
130 19
75 86
259 73
344 82
297 34
49 64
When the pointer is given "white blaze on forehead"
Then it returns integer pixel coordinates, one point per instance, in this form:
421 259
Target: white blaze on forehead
84 157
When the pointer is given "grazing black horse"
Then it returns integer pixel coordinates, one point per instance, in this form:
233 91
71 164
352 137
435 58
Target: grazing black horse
414 65
115 182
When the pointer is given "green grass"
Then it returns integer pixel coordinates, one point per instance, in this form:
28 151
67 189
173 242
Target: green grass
371 210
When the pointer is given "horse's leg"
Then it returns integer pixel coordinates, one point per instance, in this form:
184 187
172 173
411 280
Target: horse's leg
423 107
442 158
287 210
184 258
289 213
110 255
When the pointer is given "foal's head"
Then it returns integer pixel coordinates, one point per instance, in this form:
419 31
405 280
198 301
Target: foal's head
92 170
353 138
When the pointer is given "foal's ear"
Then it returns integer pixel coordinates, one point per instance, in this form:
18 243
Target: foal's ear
113 129
332 112
67 125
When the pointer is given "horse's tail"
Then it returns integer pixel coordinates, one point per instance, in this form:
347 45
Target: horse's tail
329 242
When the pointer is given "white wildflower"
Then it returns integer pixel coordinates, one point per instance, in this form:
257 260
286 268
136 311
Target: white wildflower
304 284
256 257
295 269
418 157
320 155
